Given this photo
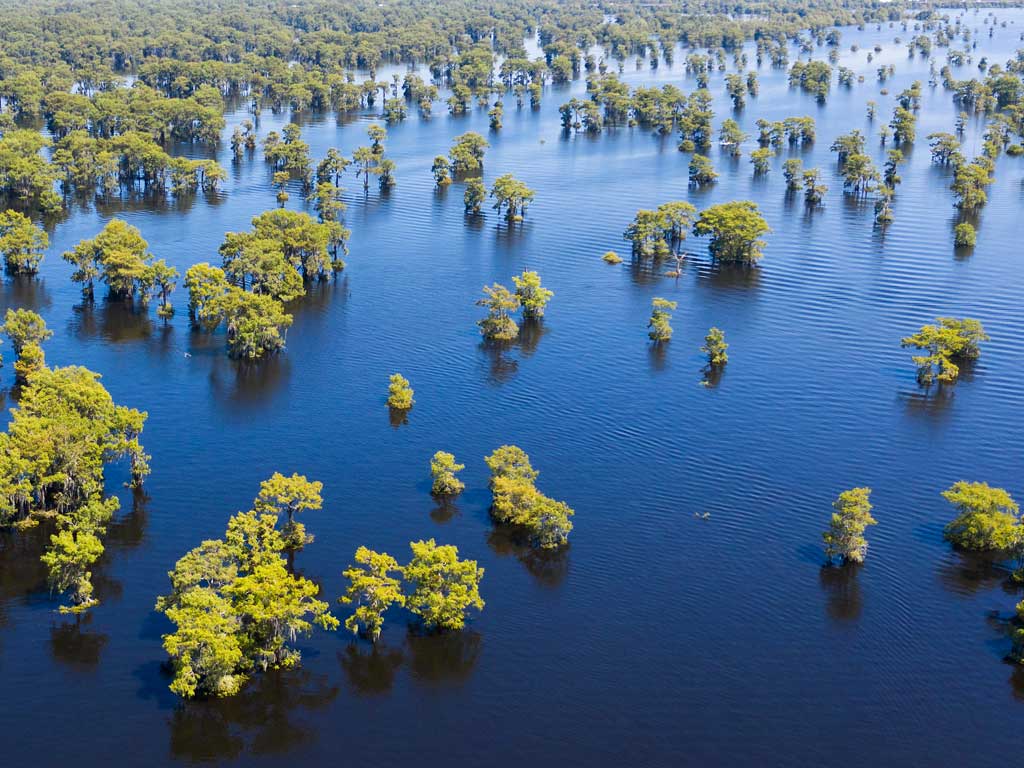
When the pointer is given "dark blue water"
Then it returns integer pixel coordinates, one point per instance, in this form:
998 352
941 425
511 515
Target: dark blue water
658 638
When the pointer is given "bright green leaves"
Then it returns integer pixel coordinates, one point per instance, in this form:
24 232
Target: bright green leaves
374 586
443 586
661 313
235 606
22 243
443 469
735 229
399 393
946 345
518 503
52 457
844 540
988 518
290 495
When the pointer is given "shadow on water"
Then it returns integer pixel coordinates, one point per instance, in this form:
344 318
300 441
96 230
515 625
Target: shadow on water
25 292
370 672
500 367
531 331
967 573
72 644
713 375
657 355
264 719
727 277
129 530
548 567
111 319
444 510
443 658
841 585
248 383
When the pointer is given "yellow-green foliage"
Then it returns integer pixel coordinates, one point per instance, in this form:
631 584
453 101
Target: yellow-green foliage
715 346
235 605
844 540
444 469
661 313
518 503
988 519
399 393
374 586
443 586
949 342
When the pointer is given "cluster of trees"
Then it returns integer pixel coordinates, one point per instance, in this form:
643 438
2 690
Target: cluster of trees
734 229
795 130
261 271
435 585
22 243
814 77
501 303
465 159
65 430
517 503
946 346
120 257
236 607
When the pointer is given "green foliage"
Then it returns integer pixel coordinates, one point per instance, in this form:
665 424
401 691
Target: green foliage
467 154
611 257
518 503
987 518
735 229
793 172
373 589
255 322
760 158
964 235
235 606
715 347
22 243
443 586
289 495
511 195
118 255
444 469
844 540
949 342
661 313
24 327
533 298
65 429
500 302
399 393
701 171
474 196
660 232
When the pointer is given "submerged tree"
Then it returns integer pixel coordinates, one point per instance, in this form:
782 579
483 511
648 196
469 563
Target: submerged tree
701 171
988 518
236 609
22 243
947 345
844 540
512 195
290 495
444 587
714 347
735 229
443 469
399 393
661 313
519 504
374 586
474 196
500 303
533 297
